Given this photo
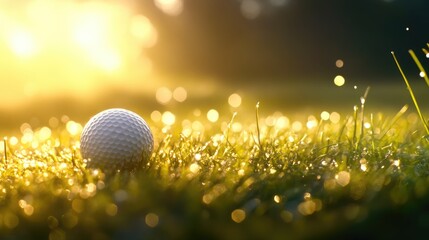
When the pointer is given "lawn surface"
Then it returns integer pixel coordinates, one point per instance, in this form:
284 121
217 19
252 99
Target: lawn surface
243 176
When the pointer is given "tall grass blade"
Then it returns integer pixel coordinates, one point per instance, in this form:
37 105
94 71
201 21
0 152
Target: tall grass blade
411 93
258 129
419 65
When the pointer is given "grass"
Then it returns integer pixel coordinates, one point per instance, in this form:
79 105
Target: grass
358 176
266 178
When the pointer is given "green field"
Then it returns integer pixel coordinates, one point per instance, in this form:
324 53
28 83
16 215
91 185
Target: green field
281 171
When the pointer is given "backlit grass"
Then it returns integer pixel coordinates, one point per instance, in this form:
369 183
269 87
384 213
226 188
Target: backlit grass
227 178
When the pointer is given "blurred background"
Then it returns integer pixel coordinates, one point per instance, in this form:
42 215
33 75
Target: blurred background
72 59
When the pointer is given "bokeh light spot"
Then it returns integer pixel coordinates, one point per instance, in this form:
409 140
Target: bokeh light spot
143 30
180 94
194 168
163 95
238 215
325 115
45 133
343 178
168 118
74 128
212 115
152 220
339 63
250 9
170 7
234 100
335 117
297 126
339 80
111 209
156 116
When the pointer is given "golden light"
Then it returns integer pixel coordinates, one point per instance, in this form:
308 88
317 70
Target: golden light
74 128
143 30
194 168
13 141
335 117
343 178
163 95
156 116
180 94
324 115
339 80
282 122
22 43
168 118
44 133
170 7
212 115
234 100
106 60
307 207
238 215
312 122
75 47
297 126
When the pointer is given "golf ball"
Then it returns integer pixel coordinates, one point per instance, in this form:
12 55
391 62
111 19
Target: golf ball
116 139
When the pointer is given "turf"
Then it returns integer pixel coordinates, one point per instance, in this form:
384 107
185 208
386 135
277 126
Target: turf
356 176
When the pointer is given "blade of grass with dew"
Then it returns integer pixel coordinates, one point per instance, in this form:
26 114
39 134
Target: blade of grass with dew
420 66
412 94
362 101
258 128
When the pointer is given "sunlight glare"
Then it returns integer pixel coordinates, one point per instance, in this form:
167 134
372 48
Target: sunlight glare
143 30
22 43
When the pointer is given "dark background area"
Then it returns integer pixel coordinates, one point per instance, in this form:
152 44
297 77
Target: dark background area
297 38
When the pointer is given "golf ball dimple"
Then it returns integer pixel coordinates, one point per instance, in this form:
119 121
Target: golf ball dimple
116 139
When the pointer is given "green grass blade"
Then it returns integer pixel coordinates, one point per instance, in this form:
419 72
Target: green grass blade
411 93
419 65
258 128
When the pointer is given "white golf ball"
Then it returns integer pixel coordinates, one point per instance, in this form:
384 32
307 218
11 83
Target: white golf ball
116 139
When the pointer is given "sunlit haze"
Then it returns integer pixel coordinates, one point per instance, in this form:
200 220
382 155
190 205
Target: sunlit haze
72 47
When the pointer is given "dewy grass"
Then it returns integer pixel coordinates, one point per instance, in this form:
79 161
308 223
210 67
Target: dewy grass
212 181
330 177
